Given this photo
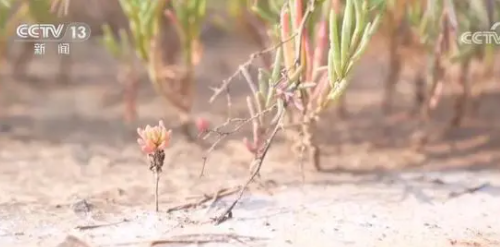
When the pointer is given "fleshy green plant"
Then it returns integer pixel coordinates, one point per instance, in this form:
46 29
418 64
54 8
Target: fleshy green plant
144 19
440 24
439 27
472 17
148 19
300 82
187 17
391 26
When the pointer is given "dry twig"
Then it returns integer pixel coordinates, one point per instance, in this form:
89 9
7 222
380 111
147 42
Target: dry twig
205 198
253 56
223 134
226 214
470 190
89 227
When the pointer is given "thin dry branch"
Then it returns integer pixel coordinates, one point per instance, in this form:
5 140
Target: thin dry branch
277 121
221 135
226 214
89 227
205 198
470 190
253 56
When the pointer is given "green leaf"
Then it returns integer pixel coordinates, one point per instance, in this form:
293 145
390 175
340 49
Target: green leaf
334 56
338 90
360 23
332 74
201 8
364 42
277 65
263 82
296 74
346 34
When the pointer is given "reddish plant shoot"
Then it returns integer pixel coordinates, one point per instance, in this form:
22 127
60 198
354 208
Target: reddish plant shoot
202 125
256 147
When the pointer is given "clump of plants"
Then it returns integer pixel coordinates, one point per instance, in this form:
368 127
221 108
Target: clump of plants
319 48
158 30
441 27
120 47
395 27
315 51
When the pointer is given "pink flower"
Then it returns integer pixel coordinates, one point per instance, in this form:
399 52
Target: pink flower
154 138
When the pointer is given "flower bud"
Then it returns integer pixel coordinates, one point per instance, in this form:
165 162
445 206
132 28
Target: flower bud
202 125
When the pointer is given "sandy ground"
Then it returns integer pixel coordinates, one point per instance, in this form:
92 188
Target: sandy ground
68 160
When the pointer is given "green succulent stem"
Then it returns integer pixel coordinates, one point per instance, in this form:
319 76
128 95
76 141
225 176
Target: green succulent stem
349 38
146 22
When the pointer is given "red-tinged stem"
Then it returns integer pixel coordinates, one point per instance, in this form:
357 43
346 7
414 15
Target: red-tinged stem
309 54
299 12
321 45
306 49
336 5
288 46
320 89
174 21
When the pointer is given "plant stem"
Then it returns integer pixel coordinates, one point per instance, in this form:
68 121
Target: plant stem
157 181
258 164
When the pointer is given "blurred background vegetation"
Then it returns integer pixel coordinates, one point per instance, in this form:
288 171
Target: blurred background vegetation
324 41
